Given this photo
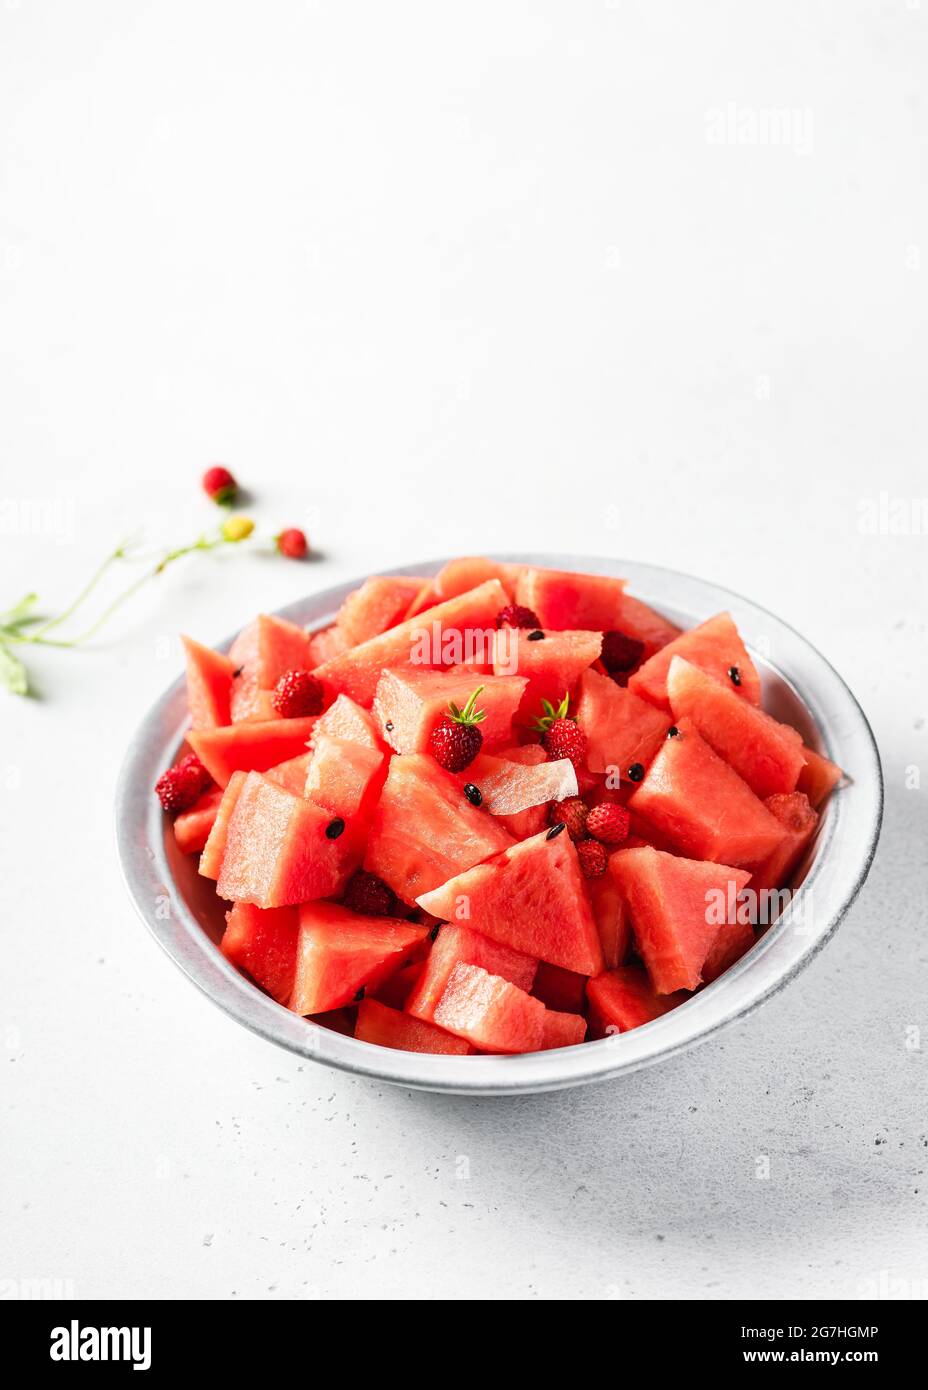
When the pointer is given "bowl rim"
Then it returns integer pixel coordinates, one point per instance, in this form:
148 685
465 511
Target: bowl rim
846 845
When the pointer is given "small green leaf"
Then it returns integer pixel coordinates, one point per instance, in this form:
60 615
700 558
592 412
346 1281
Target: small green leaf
20 612
13 672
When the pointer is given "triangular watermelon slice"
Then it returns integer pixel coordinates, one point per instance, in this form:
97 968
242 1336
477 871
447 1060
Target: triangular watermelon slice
611 918
345 778
408 704
424 829
251 746
646 625
701 804
553 664
380 603
489 1012
345 719
215 847
715 647
191 828
561 599
262 943
799 821
818 777
291 774
457 944
209 684
457 576
533 898
766 754
263 652
389 1028
340 953
624 999
621 730
562 1029
676 911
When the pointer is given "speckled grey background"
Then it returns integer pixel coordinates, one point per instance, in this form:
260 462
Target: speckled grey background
353 255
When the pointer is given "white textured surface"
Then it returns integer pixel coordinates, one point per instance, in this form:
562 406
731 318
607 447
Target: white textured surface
356 251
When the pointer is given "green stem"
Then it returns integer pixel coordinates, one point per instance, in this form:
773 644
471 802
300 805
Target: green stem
85 593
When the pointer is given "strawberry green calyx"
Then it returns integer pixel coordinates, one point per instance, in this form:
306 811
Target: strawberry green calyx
469 714
551 715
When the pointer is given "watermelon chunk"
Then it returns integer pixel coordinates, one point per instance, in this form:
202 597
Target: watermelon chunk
702 805
215 847
562 600
209 685
380 603
620 729
457 576
346 778
646 625
191 828
262 943
715 647
818 777
250 746
340 953
509 785
324 646
733 940
522 824
450 632
263 652
292 774
457 944
389 1028
277 849
561 990
624 999
611 918
562 1029
799 820
765 754
408 704
489 1012
345 719
395 991
424 829
674 909
531 897
552 666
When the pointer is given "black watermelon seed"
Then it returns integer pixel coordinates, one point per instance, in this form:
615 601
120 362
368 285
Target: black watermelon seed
389 726
237 672
734 675
433 934
636 772
360 995
673 731
536 636
334 828
555 830
473 794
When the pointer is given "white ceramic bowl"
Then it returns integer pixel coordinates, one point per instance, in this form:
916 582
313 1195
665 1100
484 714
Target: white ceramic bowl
186 918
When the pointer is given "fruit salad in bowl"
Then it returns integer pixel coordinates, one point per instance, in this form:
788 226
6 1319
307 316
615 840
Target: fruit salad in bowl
499 816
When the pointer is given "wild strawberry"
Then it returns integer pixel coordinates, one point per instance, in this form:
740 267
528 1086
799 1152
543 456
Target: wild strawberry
571 812
455 741
182 785
592 858
562 737
219 484
292 542
237 528
608 823
514 615
297 694
620 652
369 894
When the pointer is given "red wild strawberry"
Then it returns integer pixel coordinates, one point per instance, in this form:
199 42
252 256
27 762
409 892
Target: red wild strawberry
455 741
219 484
561 737
292 542
620 652
609 823
514 615
182 785
298 693
571 812
369 894
592 858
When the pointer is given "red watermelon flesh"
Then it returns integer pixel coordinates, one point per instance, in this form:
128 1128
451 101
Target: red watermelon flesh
341 952
292 774
427 597
561 990
262 943
562 1029
250 746
765 754
424 829
531 897
675 911
262 653
733 940
561 600
646 625
624 999
209 685
458 944
715 647
389 1028
818 777
489 1012
215 847
701 804
277 850
380 603
345 719
395 991
611 918
457 576
553 666
325 645
346 778
620 729
456 630
799 820
408 704
191 828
